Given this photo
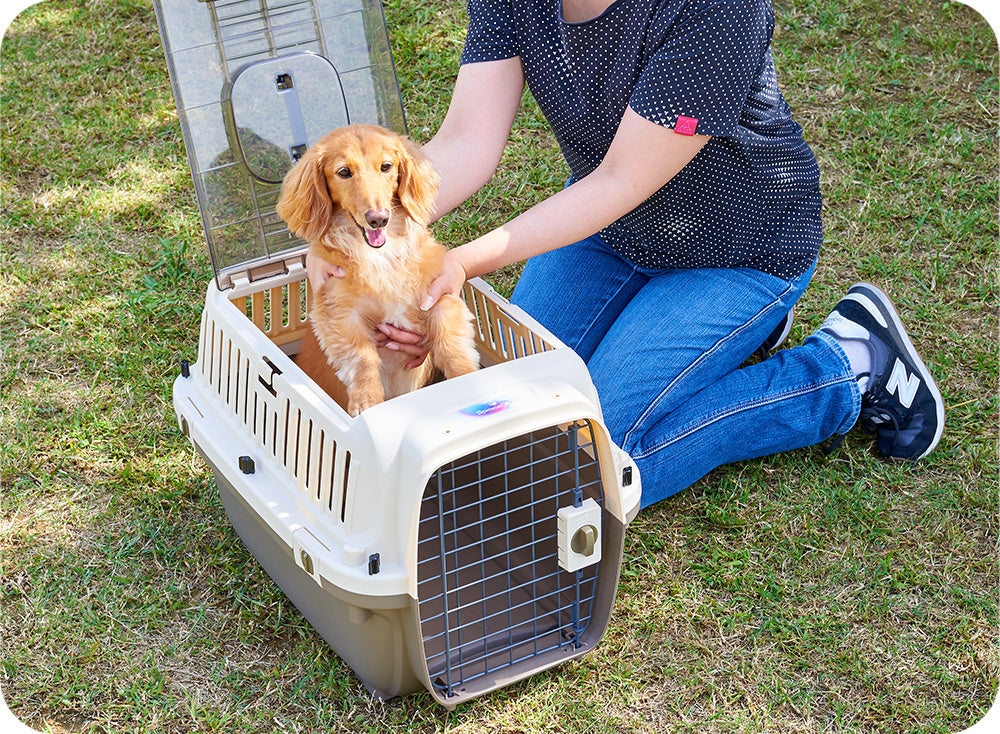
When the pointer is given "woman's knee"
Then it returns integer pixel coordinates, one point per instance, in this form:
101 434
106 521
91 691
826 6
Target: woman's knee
577 292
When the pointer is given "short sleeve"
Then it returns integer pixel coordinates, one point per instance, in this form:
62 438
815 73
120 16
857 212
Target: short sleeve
491 35
705 65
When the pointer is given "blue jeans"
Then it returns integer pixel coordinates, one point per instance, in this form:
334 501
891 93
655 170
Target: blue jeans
664 348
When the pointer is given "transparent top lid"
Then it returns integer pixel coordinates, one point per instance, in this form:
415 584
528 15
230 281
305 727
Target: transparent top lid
256 83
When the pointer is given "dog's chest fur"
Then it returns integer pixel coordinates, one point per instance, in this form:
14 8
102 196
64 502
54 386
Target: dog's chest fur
395 279
389 281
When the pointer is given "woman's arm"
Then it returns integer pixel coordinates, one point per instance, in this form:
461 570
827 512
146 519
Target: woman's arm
643 156
467 148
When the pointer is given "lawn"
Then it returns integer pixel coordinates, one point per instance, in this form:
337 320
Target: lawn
799 593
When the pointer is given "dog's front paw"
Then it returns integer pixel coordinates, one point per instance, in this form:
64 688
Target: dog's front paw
460 359
358 403
460 367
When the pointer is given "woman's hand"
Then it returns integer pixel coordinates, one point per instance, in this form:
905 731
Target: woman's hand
319 270
449 282
390 336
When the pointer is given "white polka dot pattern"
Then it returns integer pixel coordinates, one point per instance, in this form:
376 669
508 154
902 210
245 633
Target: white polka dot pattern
750 198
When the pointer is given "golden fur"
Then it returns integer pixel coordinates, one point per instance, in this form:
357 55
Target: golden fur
361 197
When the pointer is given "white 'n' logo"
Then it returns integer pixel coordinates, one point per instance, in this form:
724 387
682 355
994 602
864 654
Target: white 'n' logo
904 385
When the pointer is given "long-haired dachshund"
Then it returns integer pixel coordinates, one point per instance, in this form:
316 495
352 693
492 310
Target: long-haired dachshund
362 197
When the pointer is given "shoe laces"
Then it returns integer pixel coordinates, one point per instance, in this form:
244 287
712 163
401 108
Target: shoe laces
874 414
876 411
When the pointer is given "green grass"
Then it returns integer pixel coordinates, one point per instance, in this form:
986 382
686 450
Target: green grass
798 593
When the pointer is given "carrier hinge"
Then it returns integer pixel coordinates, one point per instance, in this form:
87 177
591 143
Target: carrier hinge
243 281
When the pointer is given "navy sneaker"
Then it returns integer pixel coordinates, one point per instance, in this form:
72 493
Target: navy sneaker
777 337
900 404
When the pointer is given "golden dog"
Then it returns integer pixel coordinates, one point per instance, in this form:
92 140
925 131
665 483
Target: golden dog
362 197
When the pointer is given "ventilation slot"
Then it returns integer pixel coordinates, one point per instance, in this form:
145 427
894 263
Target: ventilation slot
343 497
500 336
306 453
280 312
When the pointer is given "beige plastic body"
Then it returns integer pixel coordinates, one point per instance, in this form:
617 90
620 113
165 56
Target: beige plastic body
337 492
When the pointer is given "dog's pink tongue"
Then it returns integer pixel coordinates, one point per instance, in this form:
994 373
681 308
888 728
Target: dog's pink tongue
376 237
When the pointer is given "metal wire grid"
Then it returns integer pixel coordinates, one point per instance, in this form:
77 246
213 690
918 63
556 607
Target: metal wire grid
491 592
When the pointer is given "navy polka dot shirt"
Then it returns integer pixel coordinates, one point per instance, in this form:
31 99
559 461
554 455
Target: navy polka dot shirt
750 198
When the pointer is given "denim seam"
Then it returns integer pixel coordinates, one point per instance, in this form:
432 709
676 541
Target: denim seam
593 320
702 357
741 408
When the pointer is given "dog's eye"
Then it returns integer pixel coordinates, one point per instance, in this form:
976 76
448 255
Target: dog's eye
344 172
386 167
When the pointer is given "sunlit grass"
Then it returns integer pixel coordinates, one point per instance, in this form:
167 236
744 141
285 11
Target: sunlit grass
798 593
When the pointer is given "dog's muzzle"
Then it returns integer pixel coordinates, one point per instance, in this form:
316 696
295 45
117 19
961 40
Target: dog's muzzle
373 237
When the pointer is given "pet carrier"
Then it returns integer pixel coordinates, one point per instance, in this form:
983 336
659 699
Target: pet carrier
457 538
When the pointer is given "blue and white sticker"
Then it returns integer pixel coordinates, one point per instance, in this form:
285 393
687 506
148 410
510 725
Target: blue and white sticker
490 407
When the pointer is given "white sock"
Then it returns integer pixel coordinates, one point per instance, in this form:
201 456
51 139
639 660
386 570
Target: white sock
859 354
853 339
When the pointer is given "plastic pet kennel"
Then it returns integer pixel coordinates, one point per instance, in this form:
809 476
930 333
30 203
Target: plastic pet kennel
458 538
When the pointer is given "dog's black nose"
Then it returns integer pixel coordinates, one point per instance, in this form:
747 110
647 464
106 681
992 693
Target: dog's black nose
377 218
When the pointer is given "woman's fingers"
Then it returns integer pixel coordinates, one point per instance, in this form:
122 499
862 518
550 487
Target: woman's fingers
319 271
399 335
392 337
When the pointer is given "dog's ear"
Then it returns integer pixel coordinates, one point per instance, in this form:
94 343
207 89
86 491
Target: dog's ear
418 182
305 202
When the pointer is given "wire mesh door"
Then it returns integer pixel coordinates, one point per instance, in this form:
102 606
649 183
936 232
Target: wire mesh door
491 593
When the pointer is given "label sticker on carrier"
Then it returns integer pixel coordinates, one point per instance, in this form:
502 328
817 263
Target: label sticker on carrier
490 407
